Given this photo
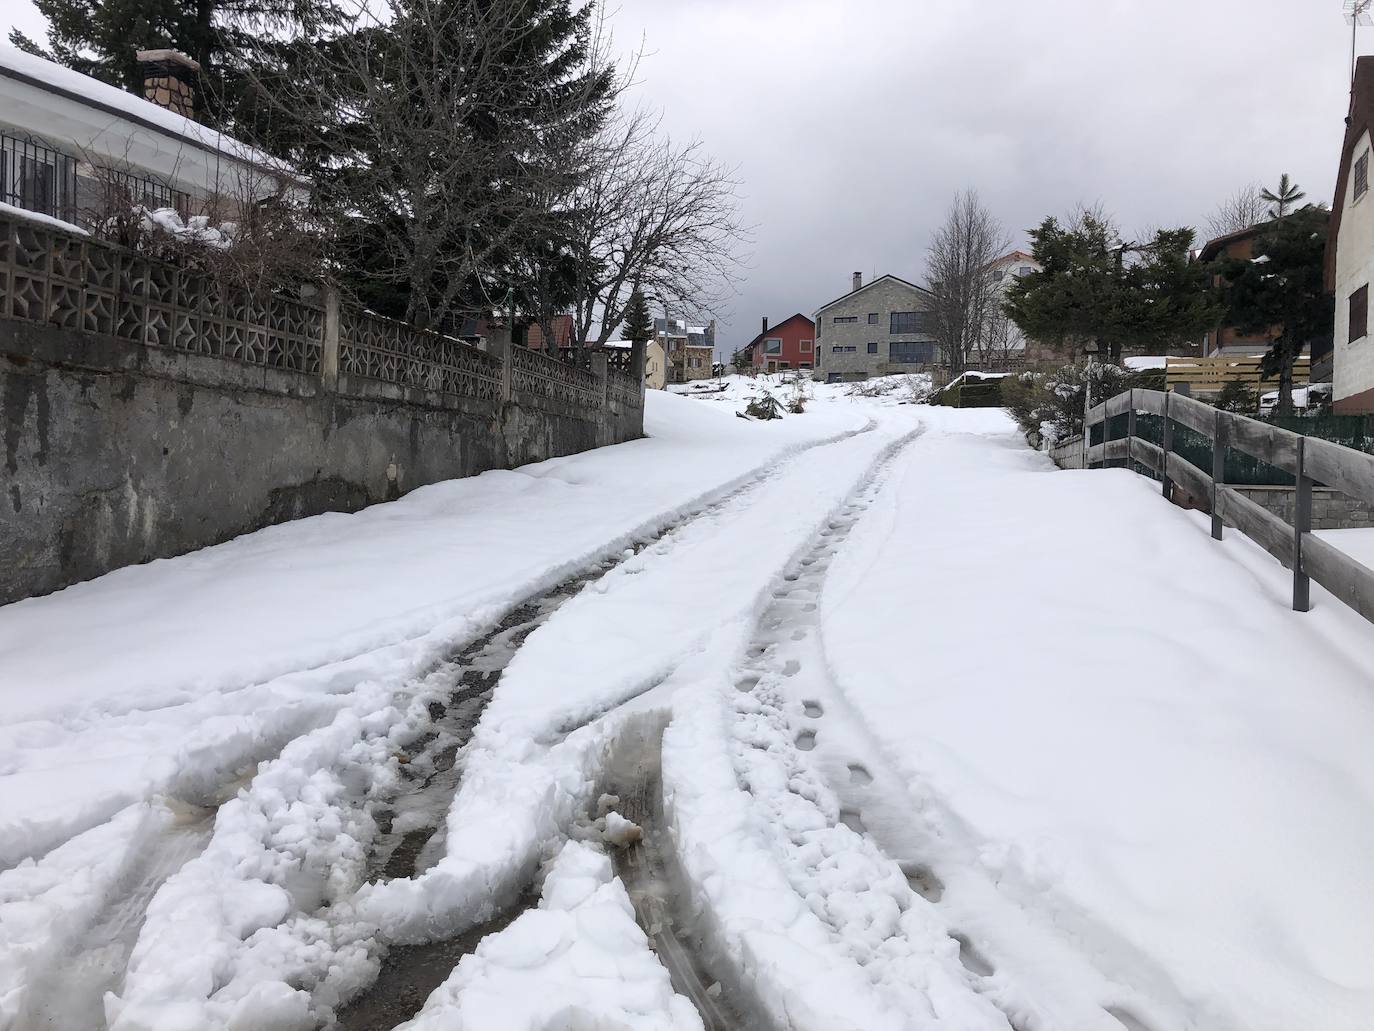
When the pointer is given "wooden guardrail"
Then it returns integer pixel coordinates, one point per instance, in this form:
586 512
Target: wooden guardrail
1213 373
1308 459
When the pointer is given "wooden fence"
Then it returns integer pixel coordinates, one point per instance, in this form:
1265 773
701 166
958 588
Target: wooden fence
1308 459
1207 374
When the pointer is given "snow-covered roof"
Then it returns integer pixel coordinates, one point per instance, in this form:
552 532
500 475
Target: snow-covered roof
115 104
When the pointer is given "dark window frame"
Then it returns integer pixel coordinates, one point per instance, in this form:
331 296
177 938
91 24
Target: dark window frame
911 352
1359 314
1362 175
845 320
907 323
873 318
872 348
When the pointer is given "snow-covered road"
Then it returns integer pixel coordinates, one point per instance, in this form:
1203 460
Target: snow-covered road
950 739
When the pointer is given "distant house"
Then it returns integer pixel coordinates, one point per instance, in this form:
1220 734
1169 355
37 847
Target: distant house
1230 340
75 149
875 329
791 344
1350 254
688 350
1005 340
560 329
655 366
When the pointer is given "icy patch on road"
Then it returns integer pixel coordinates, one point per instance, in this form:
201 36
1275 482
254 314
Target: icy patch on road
578 961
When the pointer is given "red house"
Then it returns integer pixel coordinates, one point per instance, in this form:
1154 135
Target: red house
791 344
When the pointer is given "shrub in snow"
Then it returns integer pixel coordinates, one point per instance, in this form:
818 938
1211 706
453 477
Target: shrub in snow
764 407
1049 406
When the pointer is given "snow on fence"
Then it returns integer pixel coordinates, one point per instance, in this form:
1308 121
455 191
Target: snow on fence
58 278
1307 459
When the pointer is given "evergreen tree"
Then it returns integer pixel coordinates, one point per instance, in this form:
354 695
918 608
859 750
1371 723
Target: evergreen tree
1279 292
1236 396
100 38
638 326
1085 289
1286 196
443 139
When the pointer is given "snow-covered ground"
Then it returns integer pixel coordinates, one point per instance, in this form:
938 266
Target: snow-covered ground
953 740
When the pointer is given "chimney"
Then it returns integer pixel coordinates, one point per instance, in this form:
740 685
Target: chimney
169 80
858 280
765 324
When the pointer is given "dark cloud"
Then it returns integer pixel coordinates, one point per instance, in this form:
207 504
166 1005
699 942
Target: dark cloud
853 123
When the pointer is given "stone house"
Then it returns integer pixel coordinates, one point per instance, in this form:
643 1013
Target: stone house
76 149
874 330
689 351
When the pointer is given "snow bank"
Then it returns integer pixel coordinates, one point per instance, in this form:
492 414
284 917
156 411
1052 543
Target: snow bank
578 961
1121 725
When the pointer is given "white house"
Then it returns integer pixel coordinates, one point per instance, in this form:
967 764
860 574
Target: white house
1350 254
68 140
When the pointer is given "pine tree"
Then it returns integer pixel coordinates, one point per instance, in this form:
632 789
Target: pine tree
638 327
1279 292
1086 290
1286 196
447 167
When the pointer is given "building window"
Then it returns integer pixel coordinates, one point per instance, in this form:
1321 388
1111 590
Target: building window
803 365
910 322
911 352
833 377
37 178
1359 313
872 348
873 318
1362 175
845 320
784 365
124 190
772 345
806 347
997 275
1024 270
850 348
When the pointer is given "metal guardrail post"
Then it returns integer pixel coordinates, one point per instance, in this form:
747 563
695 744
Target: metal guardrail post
1218 469
1302 524
1167 435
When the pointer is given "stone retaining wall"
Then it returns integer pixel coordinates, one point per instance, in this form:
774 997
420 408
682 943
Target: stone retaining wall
145 413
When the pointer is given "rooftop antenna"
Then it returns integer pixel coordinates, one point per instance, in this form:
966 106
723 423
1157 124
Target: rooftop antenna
1356 14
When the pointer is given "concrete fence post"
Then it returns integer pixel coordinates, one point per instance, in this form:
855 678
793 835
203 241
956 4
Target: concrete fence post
329 346
601 369
1302 524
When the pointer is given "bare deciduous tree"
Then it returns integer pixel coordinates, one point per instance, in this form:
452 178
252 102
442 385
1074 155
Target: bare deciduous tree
959 275
652 216
1243 209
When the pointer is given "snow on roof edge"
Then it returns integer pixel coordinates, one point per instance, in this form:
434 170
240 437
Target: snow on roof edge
55 78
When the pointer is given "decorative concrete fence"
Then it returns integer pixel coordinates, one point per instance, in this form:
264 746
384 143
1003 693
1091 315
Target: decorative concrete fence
147 410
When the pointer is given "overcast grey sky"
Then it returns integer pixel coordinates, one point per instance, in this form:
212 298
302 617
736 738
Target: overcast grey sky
853 122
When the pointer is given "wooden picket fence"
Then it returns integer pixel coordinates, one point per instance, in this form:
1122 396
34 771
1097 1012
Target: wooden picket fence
1208 374
1308 459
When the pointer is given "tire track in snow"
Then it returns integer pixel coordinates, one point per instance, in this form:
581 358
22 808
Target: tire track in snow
783 712
89 958
790 679
411 823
